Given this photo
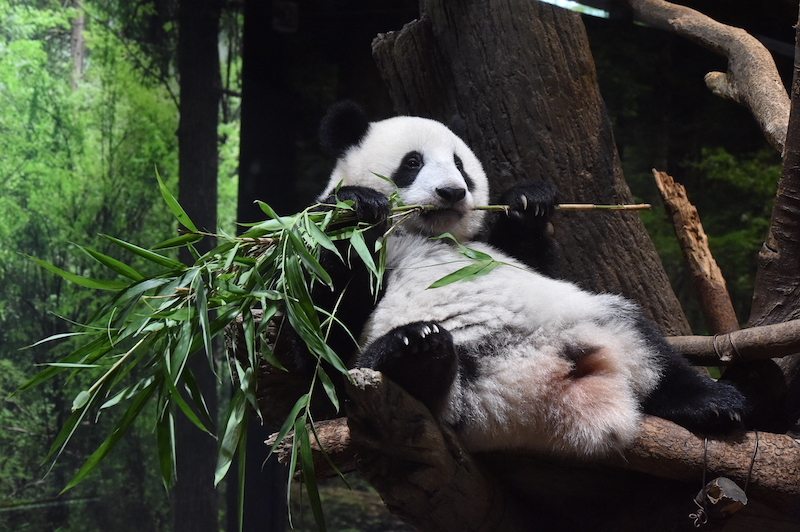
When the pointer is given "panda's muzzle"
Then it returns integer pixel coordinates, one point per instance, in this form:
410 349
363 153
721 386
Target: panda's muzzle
451 195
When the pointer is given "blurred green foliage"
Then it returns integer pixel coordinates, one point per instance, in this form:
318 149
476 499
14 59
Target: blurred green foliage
78 158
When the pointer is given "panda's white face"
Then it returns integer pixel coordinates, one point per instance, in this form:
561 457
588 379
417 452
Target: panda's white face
427 164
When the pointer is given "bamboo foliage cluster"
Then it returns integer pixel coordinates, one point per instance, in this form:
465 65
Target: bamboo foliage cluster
137 344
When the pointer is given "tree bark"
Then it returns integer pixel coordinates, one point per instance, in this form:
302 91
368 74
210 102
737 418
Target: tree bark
194 495
776 294
521 76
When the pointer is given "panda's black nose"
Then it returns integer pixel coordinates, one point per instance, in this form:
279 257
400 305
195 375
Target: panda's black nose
451 195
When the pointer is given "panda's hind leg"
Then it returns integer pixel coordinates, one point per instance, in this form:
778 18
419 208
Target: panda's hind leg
420 357
689 398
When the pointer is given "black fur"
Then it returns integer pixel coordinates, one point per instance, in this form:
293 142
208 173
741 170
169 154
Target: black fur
343 127
685 396
420 357
460 166
523 233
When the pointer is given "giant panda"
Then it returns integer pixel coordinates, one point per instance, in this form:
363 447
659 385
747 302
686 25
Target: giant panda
512 360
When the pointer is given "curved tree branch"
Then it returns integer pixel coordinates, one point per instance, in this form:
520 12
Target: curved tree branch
752 78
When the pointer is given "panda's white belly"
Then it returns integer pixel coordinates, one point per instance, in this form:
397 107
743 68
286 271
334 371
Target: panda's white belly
558 368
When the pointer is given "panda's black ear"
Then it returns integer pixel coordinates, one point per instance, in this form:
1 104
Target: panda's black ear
344 125
458 126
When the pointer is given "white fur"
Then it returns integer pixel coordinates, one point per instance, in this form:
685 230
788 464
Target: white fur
524 324
558 369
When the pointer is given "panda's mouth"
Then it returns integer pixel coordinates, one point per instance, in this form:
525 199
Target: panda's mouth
438 221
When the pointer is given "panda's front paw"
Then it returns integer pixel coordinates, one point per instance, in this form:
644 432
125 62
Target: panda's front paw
419 356
369 205
531 202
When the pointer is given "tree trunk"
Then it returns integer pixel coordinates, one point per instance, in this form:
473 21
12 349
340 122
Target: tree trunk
533 111
194 496
776 295
77 45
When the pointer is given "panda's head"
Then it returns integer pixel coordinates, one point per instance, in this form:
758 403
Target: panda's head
422 159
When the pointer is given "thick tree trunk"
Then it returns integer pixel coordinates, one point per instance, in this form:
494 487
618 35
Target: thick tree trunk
776 295
521 76
194 497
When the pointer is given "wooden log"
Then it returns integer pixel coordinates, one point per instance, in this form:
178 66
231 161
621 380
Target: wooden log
709 283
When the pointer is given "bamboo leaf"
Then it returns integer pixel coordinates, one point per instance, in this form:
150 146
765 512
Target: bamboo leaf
117 433
80 400
229 441
91 352
309 479
199 288
300 404
165 436
174 206
330 389
321 238
112 263
60 336
179 241
470 253
308 259
358 243
199 402
88 282
471 271
147 254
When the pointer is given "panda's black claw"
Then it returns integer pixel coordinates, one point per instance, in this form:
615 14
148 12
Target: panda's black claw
531 202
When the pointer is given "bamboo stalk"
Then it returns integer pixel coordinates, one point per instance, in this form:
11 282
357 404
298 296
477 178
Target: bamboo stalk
593 207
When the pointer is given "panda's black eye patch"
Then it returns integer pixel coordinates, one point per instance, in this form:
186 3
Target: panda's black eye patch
412 160
408 169
460 167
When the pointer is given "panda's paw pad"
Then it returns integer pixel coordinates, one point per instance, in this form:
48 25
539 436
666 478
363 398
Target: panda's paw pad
419 344
418 338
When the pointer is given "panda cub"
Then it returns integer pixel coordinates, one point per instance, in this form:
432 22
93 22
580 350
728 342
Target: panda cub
514 359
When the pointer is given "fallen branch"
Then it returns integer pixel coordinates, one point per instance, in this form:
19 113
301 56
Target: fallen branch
709 283
752 78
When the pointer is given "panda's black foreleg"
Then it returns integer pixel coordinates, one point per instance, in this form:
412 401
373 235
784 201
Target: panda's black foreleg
689 398
420 357
525 231
352 298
